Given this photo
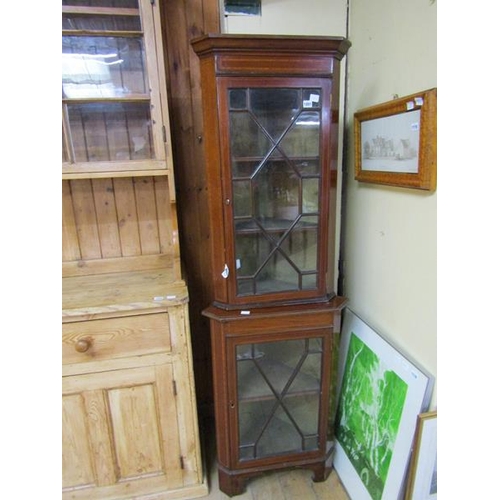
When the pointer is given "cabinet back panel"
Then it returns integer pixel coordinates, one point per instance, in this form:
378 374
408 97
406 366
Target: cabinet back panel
110 218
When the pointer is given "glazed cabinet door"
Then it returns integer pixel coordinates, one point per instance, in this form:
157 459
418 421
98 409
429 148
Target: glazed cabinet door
275 187
114 101
120 433
278 399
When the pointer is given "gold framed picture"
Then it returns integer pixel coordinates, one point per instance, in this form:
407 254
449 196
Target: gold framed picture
422 478
396 142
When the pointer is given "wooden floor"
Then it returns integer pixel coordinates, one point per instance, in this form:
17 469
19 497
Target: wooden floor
295 484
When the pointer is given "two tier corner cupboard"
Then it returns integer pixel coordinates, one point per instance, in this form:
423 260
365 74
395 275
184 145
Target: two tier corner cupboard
271 121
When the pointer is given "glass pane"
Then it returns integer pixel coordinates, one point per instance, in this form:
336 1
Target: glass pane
311 98
279 390
304 411
111 131
246 286
284 184
248 7
121 4
245 168
100 23
275 108
253 417
310 195
278 275
302 140
65 155
307 167
280 436
276 258
301 244
250 140
95 67
309 281
252 249
242 201
238 99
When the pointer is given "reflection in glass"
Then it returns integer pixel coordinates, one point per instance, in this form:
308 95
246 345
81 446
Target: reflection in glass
103 67
279 392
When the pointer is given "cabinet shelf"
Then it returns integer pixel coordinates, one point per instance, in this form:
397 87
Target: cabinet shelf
299 395
84 171
272 225
86 100
254 388
99 11
101 33
258 159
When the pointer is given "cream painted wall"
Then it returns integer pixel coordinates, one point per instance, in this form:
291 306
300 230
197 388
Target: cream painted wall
390 233
292 17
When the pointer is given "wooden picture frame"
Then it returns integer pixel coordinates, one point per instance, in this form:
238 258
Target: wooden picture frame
381 394
396 142
422 476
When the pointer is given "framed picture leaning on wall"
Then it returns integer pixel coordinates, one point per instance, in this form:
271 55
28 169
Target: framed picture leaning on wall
381 395
422 477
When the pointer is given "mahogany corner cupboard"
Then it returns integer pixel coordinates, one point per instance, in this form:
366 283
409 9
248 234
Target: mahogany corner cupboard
271 121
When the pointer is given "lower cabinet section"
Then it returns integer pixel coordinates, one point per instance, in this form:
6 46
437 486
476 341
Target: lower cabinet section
130 426
279 389
273 371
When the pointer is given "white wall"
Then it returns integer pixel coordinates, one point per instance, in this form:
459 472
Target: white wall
390 233
390 258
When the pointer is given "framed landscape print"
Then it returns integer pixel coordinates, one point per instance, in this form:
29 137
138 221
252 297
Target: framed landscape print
381 395
396 142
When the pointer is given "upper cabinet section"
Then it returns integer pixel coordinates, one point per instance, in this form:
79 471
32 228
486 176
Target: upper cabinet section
114 103
271 139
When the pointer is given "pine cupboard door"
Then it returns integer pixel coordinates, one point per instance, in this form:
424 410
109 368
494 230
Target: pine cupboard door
120 434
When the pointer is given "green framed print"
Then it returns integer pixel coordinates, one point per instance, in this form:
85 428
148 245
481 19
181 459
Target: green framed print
381 394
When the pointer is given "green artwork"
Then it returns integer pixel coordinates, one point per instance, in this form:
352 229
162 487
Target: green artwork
369 413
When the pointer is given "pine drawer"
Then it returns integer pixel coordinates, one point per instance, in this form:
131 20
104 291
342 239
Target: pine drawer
113 338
